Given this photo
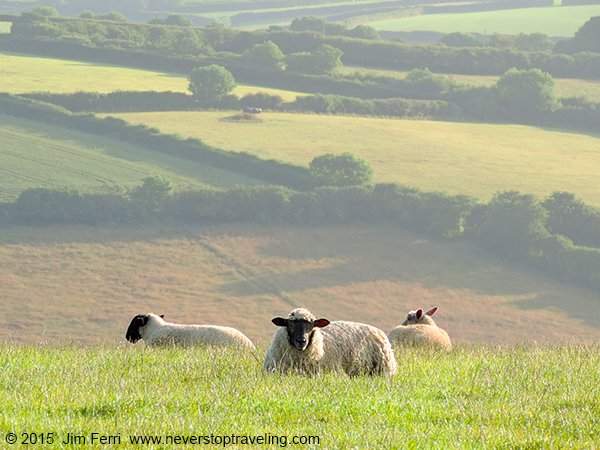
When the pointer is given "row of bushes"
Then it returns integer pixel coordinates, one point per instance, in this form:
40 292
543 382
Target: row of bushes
270 171
436 214
511 225
471 104
362 52
321 104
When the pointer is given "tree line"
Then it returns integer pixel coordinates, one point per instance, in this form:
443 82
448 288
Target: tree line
578 57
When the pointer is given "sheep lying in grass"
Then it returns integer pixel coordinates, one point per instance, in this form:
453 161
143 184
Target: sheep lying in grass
309 345
155 331
419 329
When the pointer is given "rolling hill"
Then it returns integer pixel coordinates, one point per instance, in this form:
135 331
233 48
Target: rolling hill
26 73
553 21
33 155
460 158
84 285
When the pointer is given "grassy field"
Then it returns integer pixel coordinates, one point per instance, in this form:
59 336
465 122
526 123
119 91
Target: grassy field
24 73
554 21
83 285
460 158
35 155
564 87
5 27
533 397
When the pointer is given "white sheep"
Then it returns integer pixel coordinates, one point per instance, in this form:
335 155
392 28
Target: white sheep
419 329
155 331
309 345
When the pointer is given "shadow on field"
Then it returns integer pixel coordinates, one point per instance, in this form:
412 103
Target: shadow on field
353 255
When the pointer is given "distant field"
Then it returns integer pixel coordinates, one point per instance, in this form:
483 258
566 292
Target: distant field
34 155
23 73
84 285
5 27
564 87
460 158
554 21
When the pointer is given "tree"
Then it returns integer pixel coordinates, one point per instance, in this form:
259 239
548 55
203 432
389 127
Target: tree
526 93
424 80
344 169
514 224
587 38
266 54
210 84
460 39
43 11
327 59
534 42
311 23
151 195
323 60
363 32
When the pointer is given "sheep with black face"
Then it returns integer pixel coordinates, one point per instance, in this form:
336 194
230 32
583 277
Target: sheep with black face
155 331
306 344
419 329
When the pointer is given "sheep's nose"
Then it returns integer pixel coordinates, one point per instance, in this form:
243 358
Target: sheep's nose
301 340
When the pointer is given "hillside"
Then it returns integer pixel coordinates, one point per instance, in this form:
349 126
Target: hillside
553 21
460 158
33 155
85 284
27 73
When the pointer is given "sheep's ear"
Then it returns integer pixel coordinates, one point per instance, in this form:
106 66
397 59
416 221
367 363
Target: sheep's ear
419 313
320 323
432 311
280 321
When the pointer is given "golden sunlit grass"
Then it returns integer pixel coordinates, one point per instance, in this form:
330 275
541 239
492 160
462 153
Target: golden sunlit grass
24 73
460 158
84 285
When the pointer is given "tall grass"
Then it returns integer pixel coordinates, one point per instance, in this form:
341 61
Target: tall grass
473 397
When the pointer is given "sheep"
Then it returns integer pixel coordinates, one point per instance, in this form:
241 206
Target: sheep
155 331
309 345
419 329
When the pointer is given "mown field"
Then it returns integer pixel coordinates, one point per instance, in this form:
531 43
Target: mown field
460 158
24 73
83 285
554 21
473 397
563 87
33 155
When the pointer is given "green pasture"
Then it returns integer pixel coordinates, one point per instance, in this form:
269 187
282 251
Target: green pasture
38 156
552 20
564 87
24 73
475 397
227 13
460 158
5 27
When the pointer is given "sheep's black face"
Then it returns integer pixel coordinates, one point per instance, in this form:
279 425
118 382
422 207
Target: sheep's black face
300 331
133 332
